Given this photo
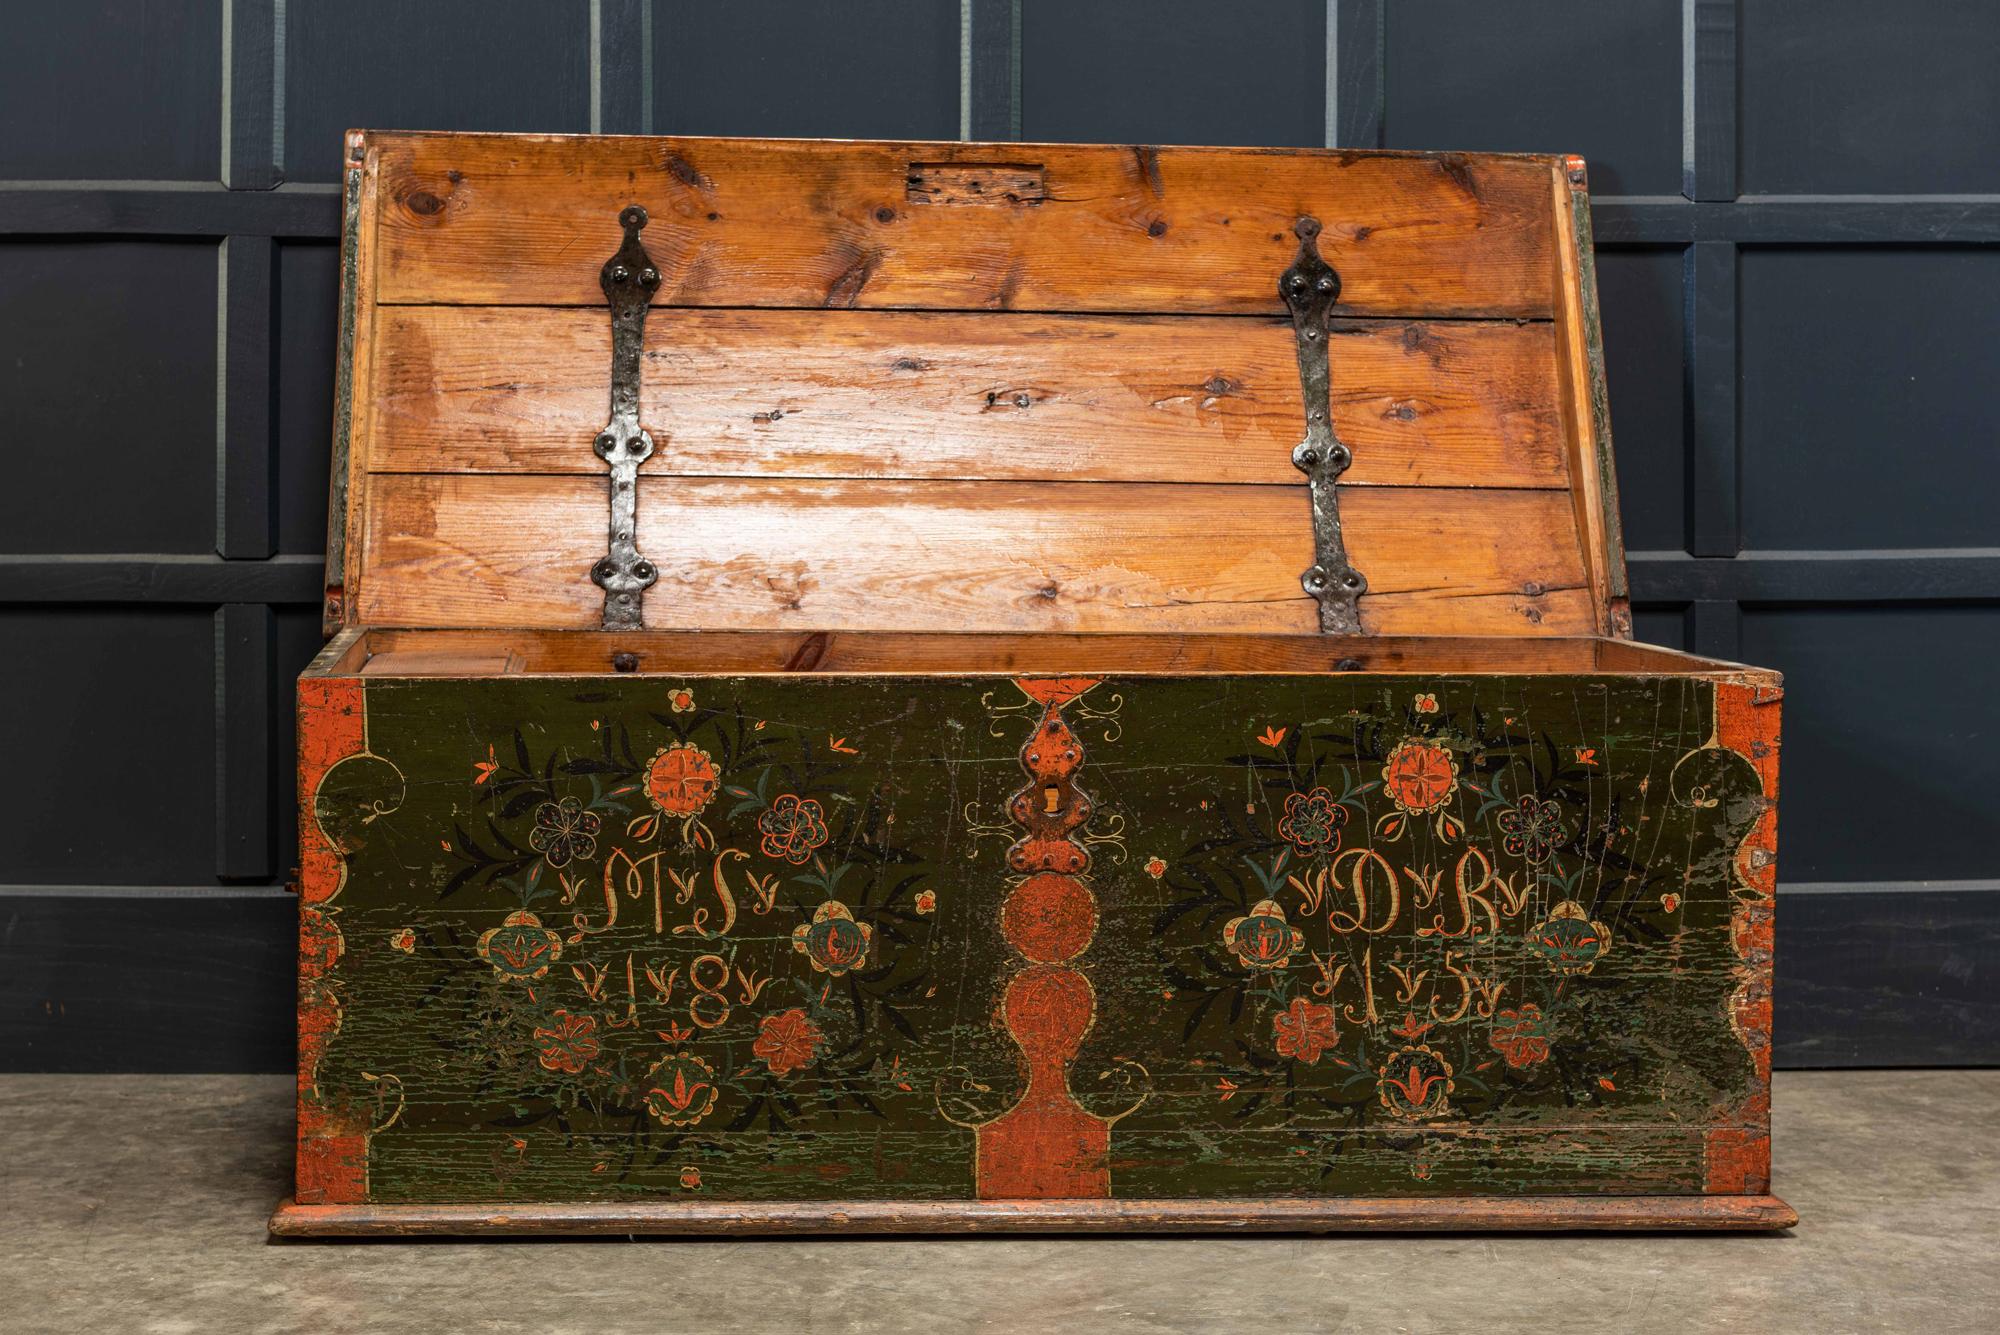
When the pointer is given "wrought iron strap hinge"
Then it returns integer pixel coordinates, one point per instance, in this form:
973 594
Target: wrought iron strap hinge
1310 287
629 280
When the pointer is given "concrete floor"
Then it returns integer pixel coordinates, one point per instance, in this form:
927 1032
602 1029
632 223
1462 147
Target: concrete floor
137 1203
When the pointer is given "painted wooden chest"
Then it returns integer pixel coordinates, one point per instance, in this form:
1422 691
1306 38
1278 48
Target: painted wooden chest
926 686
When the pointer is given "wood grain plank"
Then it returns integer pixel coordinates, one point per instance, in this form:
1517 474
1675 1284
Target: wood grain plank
471 550
434 652
888 394
354 391
483 219
1282 1214
1583 398
421 652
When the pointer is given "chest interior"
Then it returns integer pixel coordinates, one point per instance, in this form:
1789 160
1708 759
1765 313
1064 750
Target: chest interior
959 388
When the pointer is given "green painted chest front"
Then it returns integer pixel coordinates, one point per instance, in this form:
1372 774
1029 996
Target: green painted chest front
959 938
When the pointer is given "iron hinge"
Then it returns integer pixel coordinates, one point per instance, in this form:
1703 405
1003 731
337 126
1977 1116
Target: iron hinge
629 280
1310 287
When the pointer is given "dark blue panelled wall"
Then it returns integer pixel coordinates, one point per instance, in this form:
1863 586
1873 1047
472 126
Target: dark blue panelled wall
1798 217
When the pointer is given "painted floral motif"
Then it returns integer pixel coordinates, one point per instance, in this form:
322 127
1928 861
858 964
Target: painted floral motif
1415 1083
1312 822
568 1042
1419 776
833 941
1569 940
683 1090
681 780
1410 1028
520 948
792 828
1532 829
926 902
1521 1036
1305 1031
1261 938
1156 867
691 1177
564 831
681 700
786 1041
405 940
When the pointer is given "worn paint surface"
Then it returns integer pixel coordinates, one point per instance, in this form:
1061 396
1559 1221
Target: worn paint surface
796 938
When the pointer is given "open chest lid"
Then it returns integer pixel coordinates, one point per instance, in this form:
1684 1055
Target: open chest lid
967 387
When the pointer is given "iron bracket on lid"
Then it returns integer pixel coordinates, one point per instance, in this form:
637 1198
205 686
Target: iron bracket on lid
1309 288
629 280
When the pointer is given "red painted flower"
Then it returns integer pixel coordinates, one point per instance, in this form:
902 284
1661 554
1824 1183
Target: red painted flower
1419 776
520 948
1312 822
691 1178
568 1041
681 699
1570 939
786 1041
1261 938
404 940
1521 1036
1670 901
792 827
1156 867
1415 1083
1305 1031
681 780
926 902
833 942
1411 1028
683 1090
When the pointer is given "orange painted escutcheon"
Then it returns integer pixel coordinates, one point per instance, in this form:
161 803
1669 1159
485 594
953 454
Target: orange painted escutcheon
1049 918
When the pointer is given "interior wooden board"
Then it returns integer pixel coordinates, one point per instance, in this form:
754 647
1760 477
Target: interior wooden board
1110 451
474 652
917 394
489 219
479 550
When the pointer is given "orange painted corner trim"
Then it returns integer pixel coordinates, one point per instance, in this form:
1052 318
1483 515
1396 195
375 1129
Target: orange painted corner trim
1738 1152
332 1166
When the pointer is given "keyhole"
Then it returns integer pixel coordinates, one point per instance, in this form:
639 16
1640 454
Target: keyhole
1052 800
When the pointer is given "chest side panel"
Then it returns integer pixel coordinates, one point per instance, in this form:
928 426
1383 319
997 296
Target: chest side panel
896 938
